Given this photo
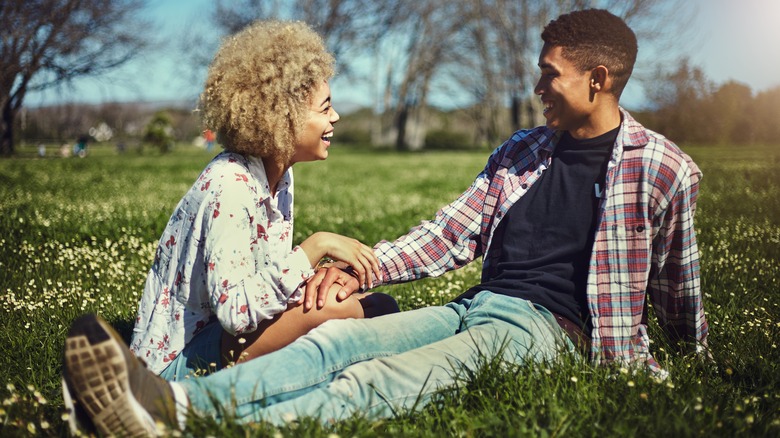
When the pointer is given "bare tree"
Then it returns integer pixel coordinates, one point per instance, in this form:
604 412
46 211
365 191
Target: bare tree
47 43
498 40
345 25
350 28
416 49
501 42
486 48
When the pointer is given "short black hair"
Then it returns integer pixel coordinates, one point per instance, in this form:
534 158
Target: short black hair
593 37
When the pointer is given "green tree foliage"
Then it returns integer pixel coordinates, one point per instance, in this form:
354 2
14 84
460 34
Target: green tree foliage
688 107
728 107
766 121
678 97
159 131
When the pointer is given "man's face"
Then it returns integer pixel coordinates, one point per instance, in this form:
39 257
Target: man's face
565 92
313 140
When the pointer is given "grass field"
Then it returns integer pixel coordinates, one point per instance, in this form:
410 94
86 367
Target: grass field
78 235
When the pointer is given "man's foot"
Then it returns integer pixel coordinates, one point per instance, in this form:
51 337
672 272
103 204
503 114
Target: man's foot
78 420
105 381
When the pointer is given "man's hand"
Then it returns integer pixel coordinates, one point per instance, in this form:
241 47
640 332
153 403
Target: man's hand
319 285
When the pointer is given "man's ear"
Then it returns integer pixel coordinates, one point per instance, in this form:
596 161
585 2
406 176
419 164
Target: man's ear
599 77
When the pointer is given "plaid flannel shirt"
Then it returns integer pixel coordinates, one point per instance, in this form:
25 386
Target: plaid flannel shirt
645 243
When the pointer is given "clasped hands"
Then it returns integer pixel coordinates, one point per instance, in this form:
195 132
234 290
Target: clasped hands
356 267
319 285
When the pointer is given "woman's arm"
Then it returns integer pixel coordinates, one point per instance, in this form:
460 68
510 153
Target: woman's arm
358 256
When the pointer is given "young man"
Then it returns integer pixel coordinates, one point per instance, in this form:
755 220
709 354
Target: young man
578 222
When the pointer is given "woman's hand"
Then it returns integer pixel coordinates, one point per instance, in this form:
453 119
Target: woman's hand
355 254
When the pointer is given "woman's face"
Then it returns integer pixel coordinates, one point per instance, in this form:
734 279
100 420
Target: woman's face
313 140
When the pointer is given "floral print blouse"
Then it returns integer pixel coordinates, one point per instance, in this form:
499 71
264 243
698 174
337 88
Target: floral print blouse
226 254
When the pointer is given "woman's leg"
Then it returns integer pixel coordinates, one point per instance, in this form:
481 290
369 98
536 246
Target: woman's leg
295 322
200 356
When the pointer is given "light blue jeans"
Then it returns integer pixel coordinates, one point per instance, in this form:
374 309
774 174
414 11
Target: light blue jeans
378 366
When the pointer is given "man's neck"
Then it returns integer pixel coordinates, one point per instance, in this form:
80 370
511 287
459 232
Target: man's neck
598 123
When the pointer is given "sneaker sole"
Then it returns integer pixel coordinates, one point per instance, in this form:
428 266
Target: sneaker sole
78 420
96 372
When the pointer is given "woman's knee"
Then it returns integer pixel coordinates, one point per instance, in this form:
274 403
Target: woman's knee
378 304
334 308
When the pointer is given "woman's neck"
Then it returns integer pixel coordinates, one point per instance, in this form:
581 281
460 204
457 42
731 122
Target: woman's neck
274 171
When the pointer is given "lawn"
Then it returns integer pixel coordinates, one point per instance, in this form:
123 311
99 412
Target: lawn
78 235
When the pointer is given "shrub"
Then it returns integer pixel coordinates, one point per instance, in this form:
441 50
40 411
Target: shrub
444 139
360 137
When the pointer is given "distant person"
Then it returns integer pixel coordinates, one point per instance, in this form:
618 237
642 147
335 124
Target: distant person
41 150
80 147
226 284
210 137
65 150
578 222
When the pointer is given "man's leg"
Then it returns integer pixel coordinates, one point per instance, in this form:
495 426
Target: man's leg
313 360
284 328
493 324
107 388
121 396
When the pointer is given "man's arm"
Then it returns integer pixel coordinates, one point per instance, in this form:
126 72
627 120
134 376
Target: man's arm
449 241
675 290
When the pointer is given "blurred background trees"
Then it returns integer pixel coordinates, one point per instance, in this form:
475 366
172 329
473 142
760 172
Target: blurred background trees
47 43
687 107
482 52
476 57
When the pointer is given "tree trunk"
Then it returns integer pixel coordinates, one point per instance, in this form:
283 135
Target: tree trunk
400 123
515 114
7 140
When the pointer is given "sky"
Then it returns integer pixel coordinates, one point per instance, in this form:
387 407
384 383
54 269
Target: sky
740 40
731 40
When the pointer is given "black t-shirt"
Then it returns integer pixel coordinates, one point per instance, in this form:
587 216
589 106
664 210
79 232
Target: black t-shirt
541 248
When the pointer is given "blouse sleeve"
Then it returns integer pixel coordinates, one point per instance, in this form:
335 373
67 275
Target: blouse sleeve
246 284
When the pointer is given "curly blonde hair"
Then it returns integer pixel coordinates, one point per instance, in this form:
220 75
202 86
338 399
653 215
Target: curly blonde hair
259 85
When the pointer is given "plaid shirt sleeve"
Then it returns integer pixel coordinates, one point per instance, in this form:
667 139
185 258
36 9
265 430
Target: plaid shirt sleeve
675 288
450 241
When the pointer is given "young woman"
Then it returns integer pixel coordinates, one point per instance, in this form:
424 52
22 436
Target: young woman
226 284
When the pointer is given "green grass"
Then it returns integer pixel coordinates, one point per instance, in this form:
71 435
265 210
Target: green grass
78 235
